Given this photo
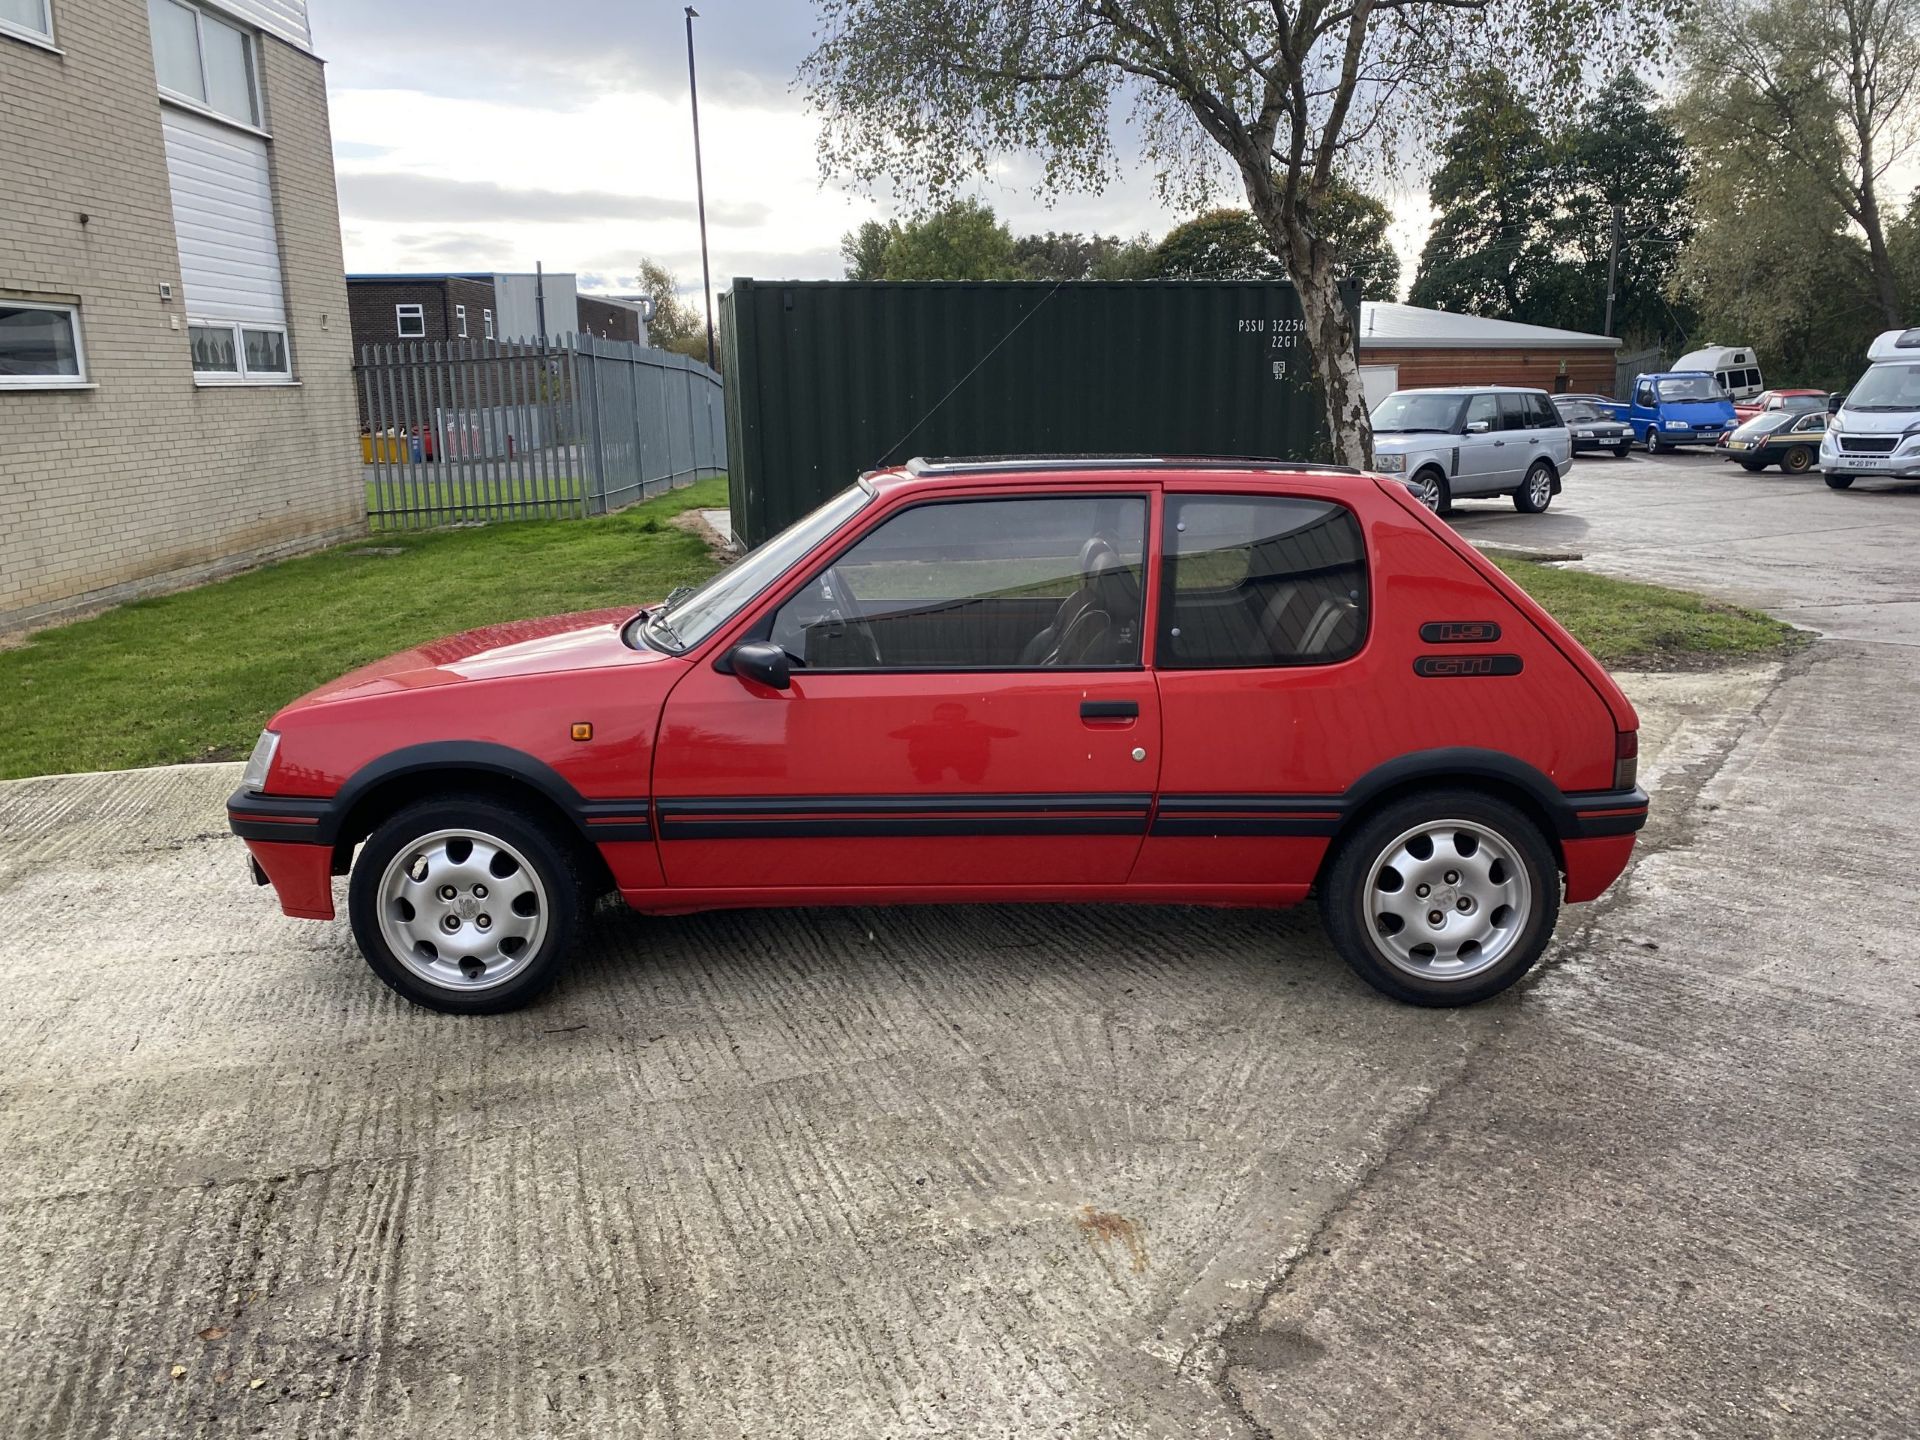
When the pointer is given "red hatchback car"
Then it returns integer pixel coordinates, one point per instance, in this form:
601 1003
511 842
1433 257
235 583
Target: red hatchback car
1190 681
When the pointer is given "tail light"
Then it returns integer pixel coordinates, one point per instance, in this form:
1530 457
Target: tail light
1626 759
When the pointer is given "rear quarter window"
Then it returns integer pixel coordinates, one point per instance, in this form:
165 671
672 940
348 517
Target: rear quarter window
1261 580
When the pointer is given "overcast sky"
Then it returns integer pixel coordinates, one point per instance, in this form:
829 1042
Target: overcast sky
488 134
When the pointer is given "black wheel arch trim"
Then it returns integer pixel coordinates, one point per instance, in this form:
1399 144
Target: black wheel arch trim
1569 813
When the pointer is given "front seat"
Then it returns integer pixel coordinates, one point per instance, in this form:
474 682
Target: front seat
1092 624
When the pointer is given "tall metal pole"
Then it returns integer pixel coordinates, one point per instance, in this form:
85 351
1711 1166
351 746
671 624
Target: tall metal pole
1613 267
540 299
700 185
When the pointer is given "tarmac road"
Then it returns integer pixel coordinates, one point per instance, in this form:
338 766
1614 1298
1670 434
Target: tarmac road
1006 1172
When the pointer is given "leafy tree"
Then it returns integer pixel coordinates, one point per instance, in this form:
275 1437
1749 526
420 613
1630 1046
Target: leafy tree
1126 260
1218 245
678 325
1066 256
1356 227
961 241
926 94
1829 86
1491 250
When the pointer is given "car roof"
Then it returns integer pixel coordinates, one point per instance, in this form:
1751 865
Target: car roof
1468 389
1017 467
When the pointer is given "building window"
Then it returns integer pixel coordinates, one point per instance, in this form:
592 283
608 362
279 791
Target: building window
238 354
460 320
30 19
410 322
40 345
201 60
486 322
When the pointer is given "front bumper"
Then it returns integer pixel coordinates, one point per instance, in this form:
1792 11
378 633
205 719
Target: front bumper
1893 466
289 842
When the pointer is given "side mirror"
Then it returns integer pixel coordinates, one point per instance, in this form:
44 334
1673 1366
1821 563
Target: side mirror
763 663
1479 427
1835 401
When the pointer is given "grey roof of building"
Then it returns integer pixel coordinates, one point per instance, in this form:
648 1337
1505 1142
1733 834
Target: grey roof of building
1389 326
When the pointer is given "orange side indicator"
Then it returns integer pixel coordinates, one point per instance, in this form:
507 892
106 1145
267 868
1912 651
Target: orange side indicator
583 730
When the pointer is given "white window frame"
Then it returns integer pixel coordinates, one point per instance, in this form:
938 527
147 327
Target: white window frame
486 321
43 38
241 376
251 122
404 313
82 381
460 320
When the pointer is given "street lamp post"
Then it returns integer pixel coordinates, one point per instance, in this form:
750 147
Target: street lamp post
700 186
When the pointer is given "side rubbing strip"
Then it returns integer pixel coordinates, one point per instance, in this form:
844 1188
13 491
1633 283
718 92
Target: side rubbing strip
1459 632
1450 667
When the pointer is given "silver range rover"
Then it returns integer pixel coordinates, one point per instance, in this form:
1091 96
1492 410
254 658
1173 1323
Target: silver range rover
1467 441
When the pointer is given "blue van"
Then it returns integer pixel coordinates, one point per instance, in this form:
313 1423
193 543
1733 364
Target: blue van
1679 407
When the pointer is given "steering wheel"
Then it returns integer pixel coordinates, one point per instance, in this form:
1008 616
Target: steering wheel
844 606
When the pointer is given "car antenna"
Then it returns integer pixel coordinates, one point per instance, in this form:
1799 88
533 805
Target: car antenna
991 352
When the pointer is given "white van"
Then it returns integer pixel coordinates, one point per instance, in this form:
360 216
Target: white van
1736 368
1876 431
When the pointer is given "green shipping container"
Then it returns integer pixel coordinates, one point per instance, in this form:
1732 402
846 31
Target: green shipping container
827 378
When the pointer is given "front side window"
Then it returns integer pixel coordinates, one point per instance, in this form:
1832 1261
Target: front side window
40 346
203 59
1261 580
1413 411
32 18
1484 411
410 322
223 351
1033 582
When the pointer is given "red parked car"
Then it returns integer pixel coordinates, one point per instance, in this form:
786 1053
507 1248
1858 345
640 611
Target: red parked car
1798 401
1194 681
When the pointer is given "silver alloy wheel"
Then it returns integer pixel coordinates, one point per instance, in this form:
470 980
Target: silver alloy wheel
1430 492
462 910
1447 899
1540 487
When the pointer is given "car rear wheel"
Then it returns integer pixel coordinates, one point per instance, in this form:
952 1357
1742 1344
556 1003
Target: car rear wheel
1753 465
466 905
1433 490
1798 460
1536 491
1839 482
1443 898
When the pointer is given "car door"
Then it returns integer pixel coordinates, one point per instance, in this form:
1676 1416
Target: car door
968 707
1548 434
1263 607
1482 450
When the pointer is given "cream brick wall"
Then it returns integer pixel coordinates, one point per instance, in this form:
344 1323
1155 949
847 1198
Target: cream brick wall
149 481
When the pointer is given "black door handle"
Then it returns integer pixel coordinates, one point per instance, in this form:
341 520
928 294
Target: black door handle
1109 710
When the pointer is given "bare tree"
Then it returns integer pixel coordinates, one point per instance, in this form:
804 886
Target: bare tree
926 95
1833 86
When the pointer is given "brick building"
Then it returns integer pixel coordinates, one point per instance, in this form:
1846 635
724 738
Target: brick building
1405 347
432 308
175 391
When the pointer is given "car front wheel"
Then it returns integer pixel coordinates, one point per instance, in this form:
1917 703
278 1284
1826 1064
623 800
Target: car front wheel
1536 492
1654 447
465 904
1443 898
1839 482
1434 492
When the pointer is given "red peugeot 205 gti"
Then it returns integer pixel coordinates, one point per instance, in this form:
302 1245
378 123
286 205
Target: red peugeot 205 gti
1171 681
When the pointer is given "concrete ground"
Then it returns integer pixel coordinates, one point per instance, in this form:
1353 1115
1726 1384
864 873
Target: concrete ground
1008 1172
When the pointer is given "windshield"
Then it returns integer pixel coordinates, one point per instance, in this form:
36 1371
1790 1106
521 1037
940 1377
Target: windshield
1887 387
684 623
1411 410
1798 404
1766 423
1690 387
1580 413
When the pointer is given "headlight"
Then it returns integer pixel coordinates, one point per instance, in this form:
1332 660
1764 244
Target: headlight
1392 464
1674 424
260 762
1583 434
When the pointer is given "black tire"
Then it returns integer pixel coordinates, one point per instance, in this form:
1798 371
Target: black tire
1754 465
1621 452
1654 447
1532 498
1442 503
1838 482
1798 460
553 859
1354 932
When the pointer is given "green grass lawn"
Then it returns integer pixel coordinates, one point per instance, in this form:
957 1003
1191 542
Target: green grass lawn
1628 624
555 497
193 676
